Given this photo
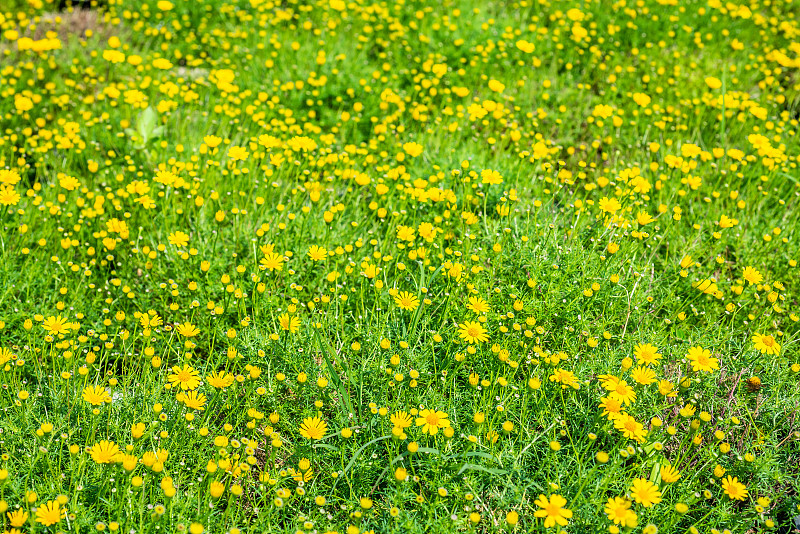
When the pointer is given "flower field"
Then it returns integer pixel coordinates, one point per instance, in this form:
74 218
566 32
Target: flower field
399 266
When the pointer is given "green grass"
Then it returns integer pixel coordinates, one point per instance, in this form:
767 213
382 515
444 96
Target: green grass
617 221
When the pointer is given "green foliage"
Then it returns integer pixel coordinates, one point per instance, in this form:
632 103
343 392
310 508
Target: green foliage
399 267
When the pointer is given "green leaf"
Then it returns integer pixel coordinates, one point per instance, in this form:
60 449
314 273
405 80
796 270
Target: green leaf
356 455
146 121
655 474
329 354
479 454
490 470
326 446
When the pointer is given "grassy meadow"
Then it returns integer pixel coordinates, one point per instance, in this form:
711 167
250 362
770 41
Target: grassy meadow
399 266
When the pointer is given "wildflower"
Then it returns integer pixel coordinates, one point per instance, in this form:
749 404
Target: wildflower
212 141
477 305
645 492
9 177
48 514
406 301
667 388
701 360
643 375
512 518
611 406
400 474
646 353
412 149
552 509
216 488
56 325
150 320
630 428
525 46
313 428
496 86
288 323
427 231
237 153
146 202
23 103
186 377
272 261
137 430
491 177
641 99
400 419
105 452
220 379
179 239
165 177
193 400
70 183
618 510
370 271
432 420
623 393
766 344
405 233
565 378
96 395
8 196
609 382
17 518
734 489
609 205
187 330
752 276
669 474
162 63
317 253
753 384
472 332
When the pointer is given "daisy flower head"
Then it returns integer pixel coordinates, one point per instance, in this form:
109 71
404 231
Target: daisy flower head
701 360
313 428
406 301
432 420
766 344
473 332
734 489
645 492
553 510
